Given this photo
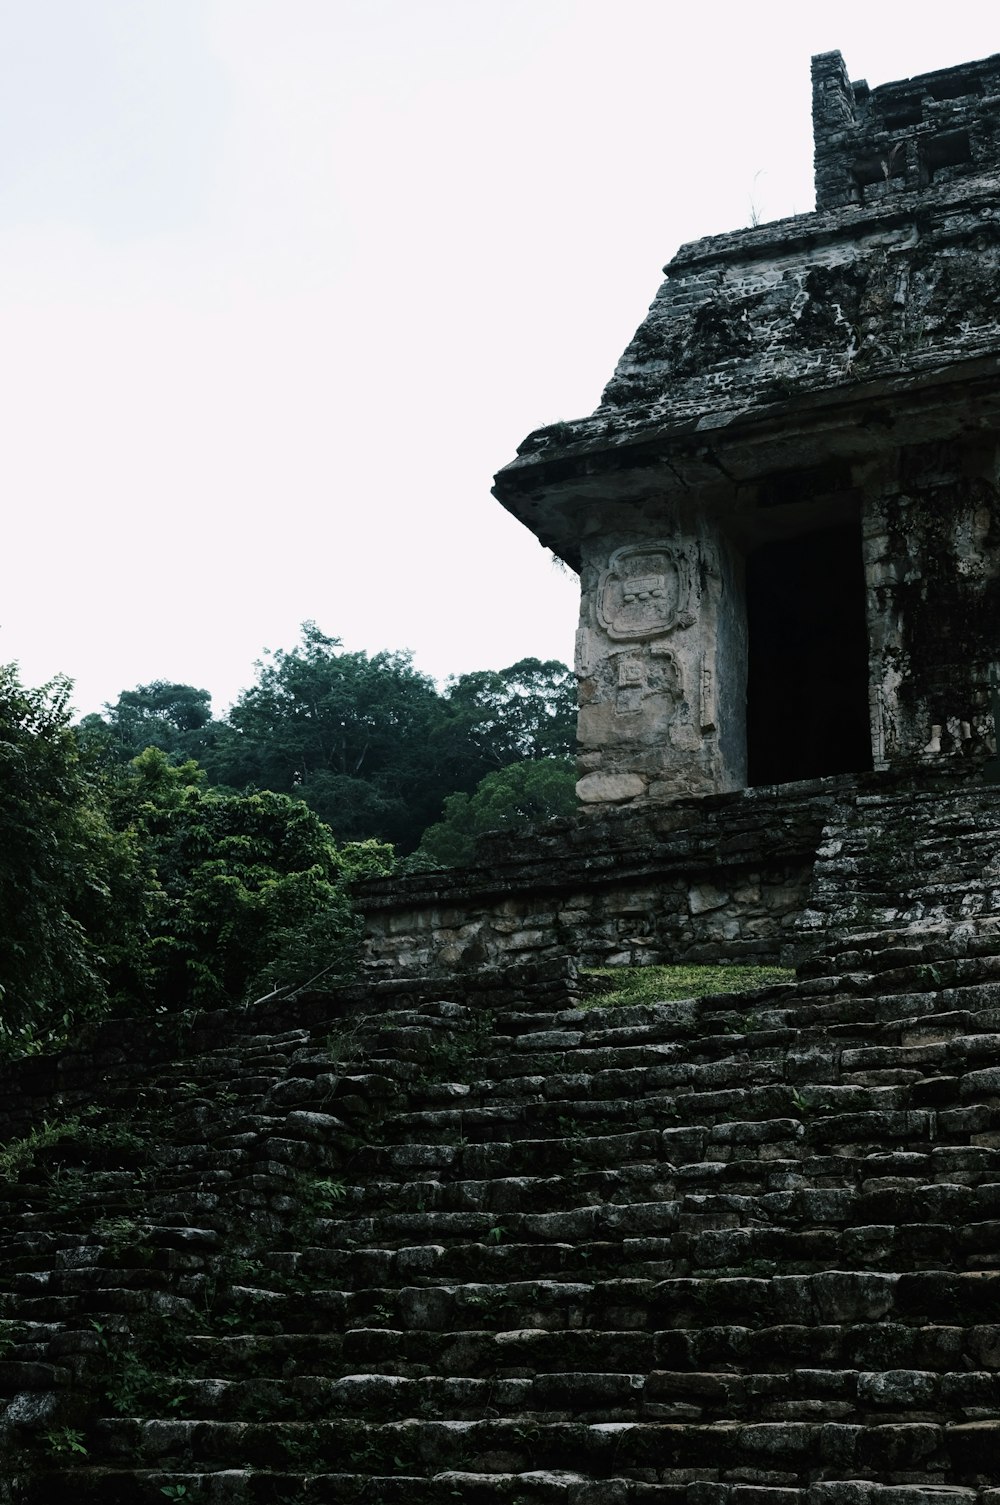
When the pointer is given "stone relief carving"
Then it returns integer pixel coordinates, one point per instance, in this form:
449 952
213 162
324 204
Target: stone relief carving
639 677
708 708
645 592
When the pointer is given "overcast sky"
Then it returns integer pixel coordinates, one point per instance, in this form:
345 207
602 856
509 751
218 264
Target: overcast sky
283 283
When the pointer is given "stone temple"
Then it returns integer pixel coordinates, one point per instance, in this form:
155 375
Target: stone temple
469 1231
784 511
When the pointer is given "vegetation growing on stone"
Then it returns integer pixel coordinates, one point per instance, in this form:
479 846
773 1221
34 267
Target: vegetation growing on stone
622 986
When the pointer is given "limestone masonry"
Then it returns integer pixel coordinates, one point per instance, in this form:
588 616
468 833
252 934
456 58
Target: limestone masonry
784 511
466 1233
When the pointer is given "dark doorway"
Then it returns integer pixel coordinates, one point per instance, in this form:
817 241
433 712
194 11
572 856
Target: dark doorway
807 686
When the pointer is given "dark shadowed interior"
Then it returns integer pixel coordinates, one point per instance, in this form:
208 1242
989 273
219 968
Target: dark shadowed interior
807 689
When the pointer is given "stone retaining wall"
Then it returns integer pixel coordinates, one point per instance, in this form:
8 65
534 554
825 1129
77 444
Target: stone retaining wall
701 880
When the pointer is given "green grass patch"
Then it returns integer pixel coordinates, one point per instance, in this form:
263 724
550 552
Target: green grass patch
618 986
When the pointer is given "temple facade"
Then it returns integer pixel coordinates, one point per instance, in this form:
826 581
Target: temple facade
784 512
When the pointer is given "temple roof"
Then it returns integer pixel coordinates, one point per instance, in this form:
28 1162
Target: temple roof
810 338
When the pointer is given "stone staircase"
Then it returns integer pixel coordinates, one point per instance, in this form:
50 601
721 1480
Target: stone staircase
437 1247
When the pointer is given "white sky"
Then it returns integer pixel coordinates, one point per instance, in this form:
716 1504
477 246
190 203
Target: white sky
283 282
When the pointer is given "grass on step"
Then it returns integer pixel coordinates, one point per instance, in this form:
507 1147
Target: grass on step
614 986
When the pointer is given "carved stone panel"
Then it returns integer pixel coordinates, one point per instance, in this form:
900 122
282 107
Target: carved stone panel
645 592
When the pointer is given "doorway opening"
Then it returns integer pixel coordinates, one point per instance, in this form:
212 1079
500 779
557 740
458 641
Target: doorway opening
807 679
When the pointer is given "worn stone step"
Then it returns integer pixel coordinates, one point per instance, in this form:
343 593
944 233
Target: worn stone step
918 1298
78 1309
877 1188
854 1017
784 1137
794 1449
782 1195
894 1119
914 1299
107 1486
500 1158
735 1347
850 1396
685 1252
268 1355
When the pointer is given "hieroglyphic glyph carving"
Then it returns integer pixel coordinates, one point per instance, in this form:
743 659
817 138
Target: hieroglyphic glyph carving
647 672
645 591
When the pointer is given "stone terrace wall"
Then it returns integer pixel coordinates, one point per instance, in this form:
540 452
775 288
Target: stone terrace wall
720 878
736 1250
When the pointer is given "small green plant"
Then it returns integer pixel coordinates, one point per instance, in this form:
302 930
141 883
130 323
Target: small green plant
19 1155
316 1197
174 1491
144 1370
328 1193
303 1451
67 1187
572 1128
116 1233
342 1044
62 1440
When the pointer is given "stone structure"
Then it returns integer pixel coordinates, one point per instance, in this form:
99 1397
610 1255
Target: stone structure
466 1244
784 512
721 878
455 1237
718 878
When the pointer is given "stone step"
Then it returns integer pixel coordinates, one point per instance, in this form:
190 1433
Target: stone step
845 1296
882 952
763 1027
80 1308
654 1253
849 1396
892 1121
525 1351
106 1486
913 1298
796 1450
682 1148
852 1011
870 1191
888 1221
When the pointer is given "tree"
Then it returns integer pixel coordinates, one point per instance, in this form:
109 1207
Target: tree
512 798
72 889
353 736
174 717
250 886
506 715
369 743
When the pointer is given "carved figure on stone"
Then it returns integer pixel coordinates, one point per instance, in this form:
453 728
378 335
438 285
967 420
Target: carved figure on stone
640 676
645 592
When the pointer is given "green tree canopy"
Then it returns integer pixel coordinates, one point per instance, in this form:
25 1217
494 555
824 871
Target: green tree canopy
370 743
174 717
526 711
250 886
509 799
72 889
350 734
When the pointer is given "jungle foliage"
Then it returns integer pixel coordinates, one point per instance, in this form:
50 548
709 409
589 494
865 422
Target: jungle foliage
508 800
157 857
368 742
